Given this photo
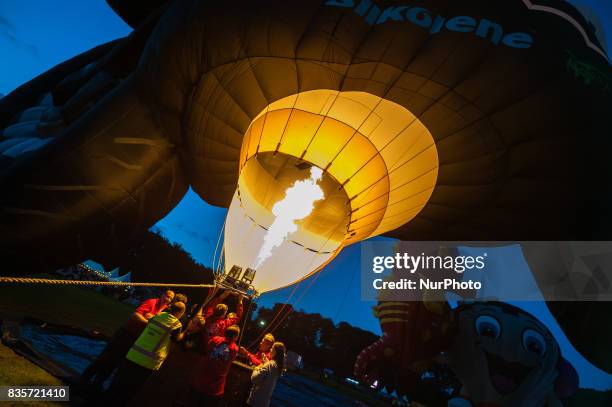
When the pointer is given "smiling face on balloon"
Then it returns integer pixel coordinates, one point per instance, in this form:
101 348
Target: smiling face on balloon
503 356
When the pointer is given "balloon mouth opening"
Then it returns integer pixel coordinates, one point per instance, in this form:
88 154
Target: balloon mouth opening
263 185
287 219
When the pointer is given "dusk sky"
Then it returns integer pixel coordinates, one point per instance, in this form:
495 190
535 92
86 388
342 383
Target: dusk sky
35 35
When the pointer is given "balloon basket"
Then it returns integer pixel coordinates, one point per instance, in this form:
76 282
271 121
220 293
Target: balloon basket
238 385
238 281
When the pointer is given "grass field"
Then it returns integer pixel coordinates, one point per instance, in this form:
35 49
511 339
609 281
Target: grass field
66 305
73 306
18 371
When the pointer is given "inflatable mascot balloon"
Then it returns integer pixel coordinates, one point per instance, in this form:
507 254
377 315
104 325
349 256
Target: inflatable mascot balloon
500 354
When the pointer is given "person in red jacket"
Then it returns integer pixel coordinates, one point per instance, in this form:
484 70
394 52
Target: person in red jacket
110 358
211 369
153 306
263 352
217 318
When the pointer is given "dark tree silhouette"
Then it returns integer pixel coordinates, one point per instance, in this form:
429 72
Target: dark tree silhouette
321 343
153 258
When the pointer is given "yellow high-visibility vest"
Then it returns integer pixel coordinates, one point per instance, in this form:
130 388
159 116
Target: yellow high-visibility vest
151 347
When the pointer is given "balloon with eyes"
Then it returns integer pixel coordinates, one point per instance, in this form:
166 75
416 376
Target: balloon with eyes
501 355
504 356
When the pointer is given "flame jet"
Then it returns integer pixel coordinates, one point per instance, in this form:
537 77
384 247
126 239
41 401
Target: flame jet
297 204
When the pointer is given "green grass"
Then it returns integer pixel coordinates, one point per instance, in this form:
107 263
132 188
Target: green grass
66 305
22 372
18 371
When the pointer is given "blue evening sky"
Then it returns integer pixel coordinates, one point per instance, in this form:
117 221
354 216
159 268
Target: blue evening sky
35 35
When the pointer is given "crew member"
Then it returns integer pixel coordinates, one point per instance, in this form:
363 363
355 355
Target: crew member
120 343
217 318
265 376
212 368
263 352
147 354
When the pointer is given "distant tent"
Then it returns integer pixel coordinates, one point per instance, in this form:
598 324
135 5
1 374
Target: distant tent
126 278
94 266
293 361
114 273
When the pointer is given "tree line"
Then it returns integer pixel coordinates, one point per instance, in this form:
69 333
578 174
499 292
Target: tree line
320 342
153 258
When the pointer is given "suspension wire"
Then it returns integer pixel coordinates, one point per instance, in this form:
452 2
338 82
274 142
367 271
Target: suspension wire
263 126
324 116
314 280
245 317
392 170
379 152
356 131
272 326
389 205
222 263
217 245
277 314
296 286
325 264
220 269
280 140
284 317
411 209
348 287
207 300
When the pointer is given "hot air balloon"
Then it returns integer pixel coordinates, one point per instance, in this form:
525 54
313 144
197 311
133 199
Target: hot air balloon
379 166
431 120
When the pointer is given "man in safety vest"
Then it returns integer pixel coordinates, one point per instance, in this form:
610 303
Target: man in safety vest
112 356
147 354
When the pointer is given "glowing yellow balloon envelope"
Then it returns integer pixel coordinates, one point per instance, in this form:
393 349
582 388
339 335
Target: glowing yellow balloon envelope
379 167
